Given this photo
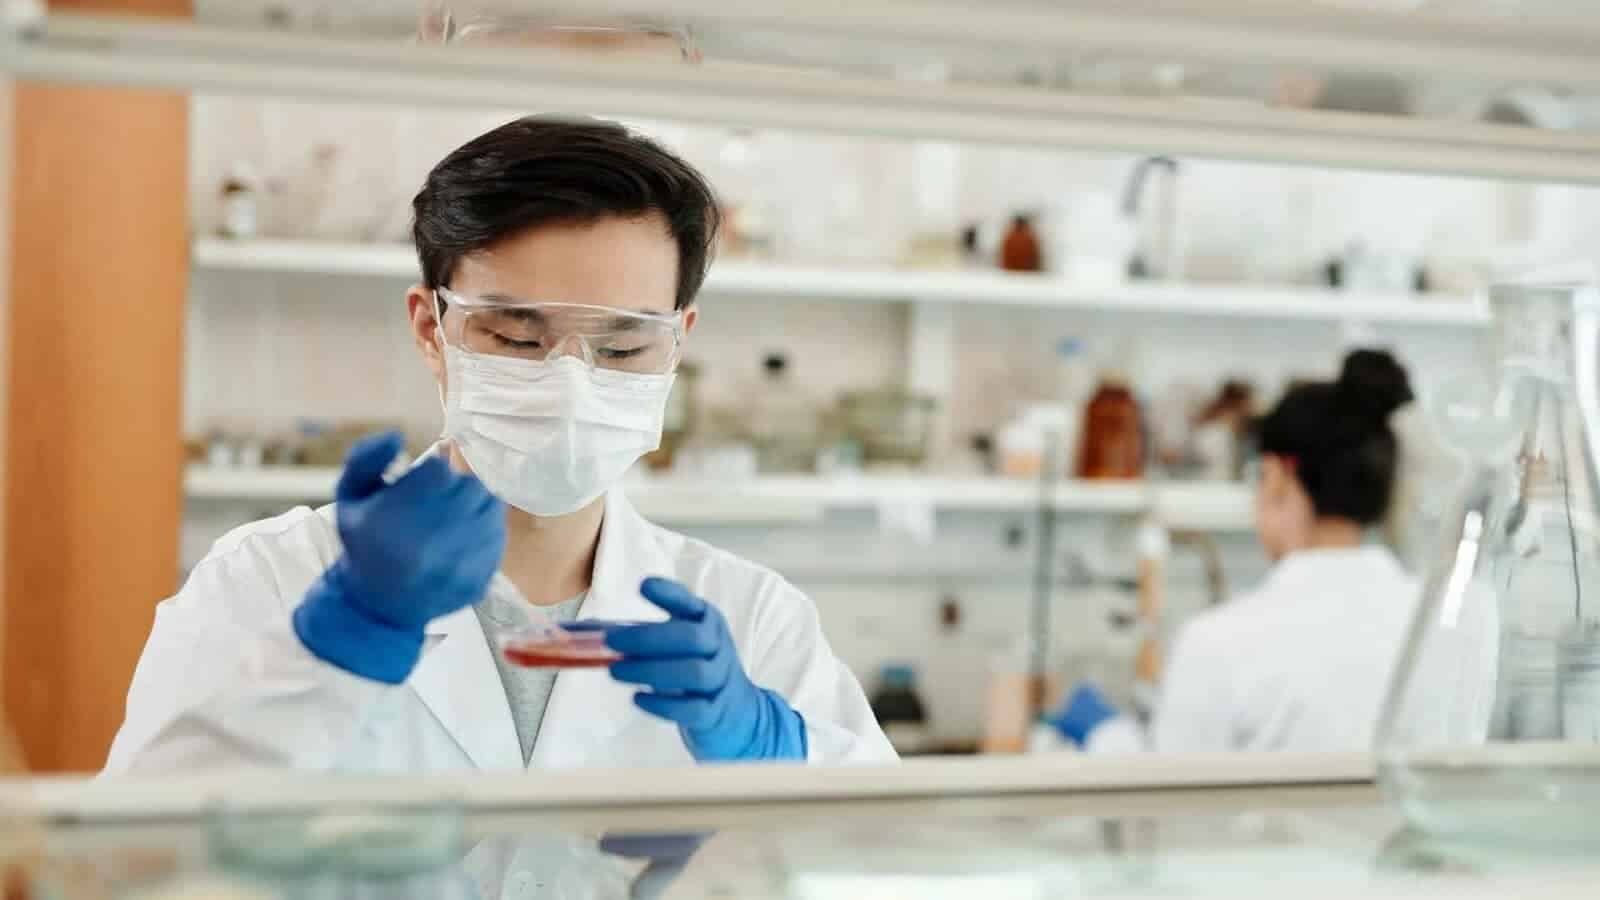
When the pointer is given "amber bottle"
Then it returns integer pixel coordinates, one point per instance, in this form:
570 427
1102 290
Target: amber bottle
1112 442
1019 251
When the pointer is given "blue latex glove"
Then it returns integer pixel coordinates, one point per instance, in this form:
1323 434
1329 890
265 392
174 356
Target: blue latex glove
666 856
695 679
420 548
1083 712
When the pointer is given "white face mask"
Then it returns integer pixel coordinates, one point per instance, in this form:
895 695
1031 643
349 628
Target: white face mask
549 437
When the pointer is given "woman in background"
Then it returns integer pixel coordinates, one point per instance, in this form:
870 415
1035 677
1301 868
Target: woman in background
1302 662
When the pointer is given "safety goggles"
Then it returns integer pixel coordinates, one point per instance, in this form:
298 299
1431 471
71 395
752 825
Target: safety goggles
603 337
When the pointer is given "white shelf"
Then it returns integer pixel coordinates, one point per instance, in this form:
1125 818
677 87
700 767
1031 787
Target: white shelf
801 499
734 278
273 484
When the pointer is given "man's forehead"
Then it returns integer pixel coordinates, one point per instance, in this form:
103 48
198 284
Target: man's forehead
626 264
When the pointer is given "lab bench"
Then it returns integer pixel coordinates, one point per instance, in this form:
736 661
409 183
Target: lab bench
1027 827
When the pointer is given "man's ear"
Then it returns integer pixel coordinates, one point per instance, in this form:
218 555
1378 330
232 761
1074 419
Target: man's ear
421 308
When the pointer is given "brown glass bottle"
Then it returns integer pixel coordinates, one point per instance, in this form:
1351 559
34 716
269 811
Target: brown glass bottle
1112 443
1019 251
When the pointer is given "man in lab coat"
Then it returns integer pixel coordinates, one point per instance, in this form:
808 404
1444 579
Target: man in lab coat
560 262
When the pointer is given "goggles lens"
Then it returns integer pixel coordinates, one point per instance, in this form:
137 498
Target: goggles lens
603 337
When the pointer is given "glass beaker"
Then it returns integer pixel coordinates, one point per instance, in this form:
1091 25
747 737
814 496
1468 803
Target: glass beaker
394 852
1492 728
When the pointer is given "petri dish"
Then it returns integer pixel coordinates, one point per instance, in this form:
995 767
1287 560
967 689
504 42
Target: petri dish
551 646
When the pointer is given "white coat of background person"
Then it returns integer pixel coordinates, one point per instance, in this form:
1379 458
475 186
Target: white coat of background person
1302 662
560 263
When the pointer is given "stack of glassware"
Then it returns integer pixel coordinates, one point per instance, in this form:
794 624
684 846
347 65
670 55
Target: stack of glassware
1492 729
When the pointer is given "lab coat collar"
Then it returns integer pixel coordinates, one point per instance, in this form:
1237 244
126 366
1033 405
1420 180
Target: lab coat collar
460 684
1338 564
630 550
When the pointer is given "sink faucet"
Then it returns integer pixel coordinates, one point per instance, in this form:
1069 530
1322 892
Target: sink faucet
1156 258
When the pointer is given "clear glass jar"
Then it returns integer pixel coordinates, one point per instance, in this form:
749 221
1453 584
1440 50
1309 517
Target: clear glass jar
1493 724
392 852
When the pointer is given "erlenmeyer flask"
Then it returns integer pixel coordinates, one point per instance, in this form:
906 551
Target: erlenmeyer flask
1493 723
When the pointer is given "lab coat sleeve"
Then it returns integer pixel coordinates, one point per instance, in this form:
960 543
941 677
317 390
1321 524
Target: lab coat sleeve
1193 714
1119 735
224 681
792 656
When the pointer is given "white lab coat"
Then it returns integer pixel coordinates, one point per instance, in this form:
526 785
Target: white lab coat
1302 663
224 680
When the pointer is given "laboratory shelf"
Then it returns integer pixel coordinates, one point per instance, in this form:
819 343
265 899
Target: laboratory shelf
888 285
777 500
762 280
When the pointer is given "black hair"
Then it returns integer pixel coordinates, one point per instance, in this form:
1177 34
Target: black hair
545 170
1337 433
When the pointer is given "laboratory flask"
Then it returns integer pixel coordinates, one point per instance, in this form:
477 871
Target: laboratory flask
1492 725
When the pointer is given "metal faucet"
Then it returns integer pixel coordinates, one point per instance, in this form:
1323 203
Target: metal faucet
1156 258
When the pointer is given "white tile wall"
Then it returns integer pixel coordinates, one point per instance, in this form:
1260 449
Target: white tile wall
265 351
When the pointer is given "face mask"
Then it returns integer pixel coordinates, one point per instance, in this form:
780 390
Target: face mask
549 437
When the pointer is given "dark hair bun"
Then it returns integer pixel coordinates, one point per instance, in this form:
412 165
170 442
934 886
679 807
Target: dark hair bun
1374 382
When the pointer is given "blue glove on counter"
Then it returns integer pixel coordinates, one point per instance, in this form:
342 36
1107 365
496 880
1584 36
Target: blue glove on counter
695 679
420 548
1084 711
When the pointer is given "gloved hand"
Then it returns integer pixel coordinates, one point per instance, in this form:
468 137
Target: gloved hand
695 679
420 548
1083 712
666 856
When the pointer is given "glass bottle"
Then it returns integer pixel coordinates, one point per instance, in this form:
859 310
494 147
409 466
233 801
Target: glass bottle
783 421
1111 445
1492 728
1019 250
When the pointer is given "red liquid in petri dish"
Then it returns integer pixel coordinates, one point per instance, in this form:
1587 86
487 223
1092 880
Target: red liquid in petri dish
555 656
554 647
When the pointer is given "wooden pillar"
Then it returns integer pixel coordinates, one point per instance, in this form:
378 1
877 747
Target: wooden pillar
93 371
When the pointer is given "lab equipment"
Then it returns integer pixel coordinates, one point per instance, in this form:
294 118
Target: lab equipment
696 679
498 24
1019 250
744 181
414 550
900 710
1490 727
1033 440
1112 442
399 852
891 426
1074 384
240 212
1160 245
1221 429
551 646
603 337
783 421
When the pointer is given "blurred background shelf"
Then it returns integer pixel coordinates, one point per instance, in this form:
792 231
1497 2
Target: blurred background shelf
1221 506
753 279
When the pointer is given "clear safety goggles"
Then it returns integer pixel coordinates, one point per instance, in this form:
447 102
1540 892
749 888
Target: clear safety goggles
603 337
